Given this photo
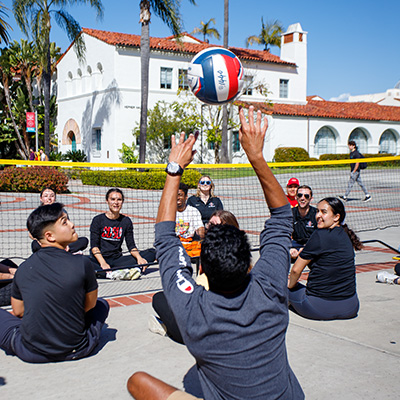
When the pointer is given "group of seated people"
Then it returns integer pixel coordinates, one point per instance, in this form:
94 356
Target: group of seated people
233 320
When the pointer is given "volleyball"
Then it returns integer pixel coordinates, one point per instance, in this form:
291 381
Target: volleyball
215 76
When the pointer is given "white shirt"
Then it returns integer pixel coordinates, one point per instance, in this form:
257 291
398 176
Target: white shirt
187 222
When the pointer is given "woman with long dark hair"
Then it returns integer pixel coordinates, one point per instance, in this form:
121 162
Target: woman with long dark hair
331 286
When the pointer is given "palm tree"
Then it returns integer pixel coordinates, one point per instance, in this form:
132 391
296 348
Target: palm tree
206 30
34 17
4 26
270 35
23 58
168 11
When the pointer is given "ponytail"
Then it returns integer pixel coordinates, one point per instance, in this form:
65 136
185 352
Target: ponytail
355 240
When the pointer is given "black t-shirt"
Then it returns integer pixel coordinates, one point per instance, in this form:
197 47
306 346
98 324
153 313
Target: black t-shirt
355 154
332 269
206 209
53 285
303 228
108 235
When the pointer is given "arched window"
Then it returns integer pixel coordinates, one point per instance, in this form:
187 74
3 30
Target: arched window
388 142
99 67
89 70
361 140
70 75
325 142
79 72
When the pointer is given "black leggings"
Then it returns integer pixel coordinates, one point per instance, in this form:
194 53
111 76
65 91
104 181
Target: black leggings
161 307
313 307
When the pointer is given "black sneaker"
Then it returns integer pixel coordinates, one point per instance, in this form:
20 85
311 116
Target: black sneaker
367 198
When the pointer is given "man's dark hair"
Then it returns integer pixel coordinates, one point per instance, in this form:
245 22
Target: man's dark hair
352 143
40 219
112 190
225 257
184 188
305 187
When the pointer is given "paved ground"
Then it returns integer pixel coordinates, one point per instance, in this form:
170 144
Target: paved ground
355 359
242 196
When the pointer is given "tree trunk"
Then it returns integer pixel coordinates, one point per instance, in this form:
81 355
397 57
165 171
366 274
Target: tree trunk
47 88
24 152
144 64
224 133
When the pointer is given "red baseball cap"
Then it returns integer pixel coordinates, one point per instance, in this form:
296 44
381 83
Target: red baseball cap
293 181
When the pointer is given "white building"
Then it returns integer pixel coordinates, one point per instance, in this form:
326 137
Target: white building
389 98
99 100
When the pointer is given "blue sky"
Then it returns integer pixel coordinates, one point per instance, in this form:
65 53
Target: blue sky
353 45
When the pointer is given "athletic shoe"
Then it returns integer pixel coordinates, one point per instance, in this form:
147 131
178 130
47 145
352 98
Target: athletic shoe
118 275
133 274
155 325
386 277
344 198
367 198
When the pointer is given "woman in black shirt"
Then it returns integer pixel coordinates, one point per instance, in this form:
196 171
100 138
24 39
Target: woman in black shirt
107 233
204 200
331 286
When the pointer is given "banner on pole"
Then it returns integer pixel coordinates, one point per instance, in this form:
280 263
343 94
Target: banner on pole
30 122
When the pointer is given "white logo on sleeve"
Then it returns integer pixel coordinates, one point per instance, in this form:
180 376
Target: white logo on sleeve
182 283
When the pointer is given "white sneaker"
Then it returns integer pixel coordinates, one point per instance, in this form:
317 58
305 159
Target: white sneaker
118 275
386 277
133 274
155 325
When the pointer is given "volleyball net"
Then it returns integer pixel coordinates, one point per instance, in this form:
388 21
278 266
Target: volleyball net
236 185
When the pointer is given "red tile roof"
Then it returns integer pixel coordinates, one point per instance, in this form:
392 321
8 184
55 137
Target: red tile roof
333 109
167 44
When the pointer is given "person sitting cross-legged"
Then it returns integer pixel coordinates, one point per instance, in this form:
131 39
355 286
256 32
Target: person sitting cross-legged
107 234
236 330
304 222
57 315
331 285
189 225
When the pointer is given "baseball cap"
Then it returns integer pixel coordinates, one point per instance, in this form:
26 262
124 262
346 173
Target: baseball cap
293 181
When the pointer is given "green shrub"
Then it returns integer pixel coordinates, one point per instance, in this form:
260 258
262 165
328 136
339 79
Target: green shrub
54 156
73 173
291 154
32 179
147 180
325 157
74 156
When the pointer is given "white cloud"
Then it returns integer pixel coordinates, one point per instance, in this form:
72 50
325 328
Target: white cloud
341 97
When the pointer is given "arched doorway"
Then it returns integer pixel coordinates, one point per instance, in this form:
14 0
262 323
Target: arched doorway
72 138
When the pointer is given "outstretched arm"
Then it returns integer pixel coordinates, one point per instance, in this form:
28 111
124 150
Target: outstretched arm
181 153
251 136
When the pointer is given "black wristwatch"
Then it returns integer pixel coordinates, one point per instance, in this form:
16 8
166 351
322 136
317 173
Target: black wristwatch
174 169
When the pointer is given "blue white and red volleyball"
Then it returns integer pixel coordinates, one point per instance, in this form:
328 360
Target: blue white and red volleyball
216 76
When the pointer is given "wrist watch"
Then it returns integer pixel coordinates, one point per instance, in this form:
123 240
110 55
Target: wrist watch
174 169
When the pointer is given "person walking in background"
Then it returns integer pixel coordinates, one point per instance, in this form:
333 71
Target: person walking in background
204 199
32 155
355 174
291 191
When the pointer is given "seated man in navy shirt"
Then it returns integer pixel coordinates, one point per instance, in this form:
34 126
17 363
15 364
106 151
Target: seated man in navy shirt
304 220
57 315
236 331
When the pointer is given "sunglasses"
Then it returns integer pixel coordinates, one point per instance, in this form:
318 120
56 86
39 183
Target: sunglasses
205 182
300 195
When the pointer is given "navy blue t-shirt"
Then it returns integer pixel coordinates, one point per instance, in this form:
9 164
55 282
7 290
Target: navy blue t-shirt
206 209
53 285
332 269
